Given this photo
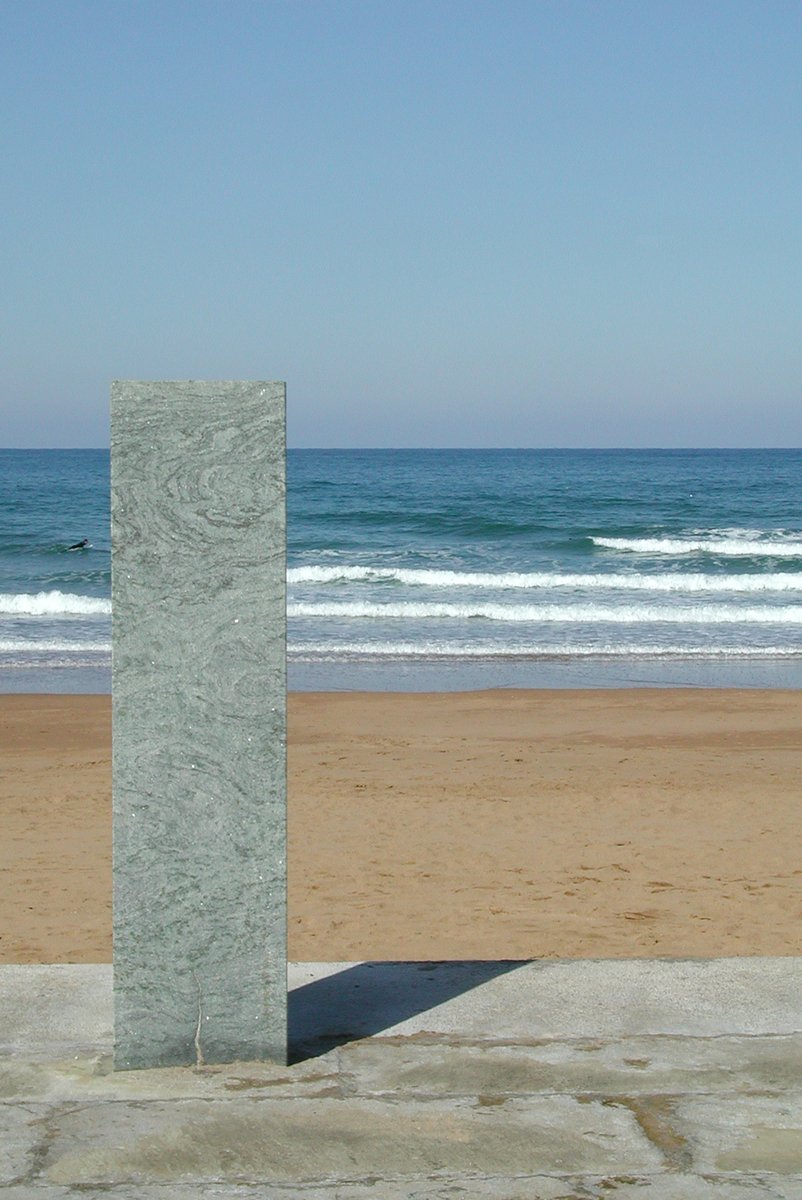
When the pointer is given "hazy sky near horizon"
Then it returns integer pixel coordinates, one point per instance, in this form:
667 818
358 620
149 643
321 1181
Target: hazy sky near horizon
470 224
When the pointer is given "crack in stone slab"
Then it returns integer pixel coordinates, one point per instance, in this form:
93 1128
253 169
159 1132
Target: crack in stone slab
199 1060
39 1152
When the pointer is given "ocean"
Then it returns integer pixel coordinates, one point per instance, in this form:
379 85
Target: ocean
55 603
441 569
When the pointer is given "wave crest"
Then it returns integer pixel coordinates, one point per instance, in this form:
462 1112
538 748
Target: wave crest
58 604
533 580
727 546
618 614
423 650
51 645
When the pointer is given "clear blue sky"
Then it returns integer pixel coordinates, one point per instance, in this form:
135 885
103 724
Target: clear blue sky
477 223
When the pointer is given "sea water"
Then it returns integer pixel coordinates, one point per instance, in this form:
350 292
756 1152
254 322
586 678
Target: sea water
429 569
535 568
55 603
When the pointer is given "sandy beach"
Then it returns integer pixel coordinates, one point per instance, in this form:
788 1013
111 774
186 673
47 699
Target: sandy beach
496 824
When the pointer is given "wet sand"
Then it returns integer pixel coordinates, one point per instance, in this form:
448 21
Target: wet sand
496 824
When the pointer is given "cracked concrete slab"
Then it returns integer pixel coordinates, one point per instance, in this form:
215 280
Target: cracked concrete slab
748 1134
541 1187
404 1068
20 1136
391 1097
632 1066
297 1140
528 1001
54 1010
57 1010
446 1187
88 1079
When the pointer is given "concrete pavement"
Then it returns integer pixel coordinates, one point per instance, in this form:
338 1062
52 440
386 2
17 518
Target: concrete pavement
521 1081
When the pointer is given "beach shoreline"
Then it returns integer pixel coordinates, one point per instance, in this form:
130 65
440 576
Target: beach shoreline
620 823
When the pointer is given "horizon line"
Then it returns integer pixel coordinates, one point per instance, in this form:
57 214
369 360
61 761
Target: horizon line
436 449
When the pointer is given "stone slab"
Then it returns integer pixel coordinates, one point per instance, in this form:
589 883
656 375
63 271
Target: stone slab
53 1010
570 1187
410 1068
88 1079
448 1186
20 1136
422 1069
304 1140
413 1116
749 1134
540 1000
18 1140
648 1066
198 698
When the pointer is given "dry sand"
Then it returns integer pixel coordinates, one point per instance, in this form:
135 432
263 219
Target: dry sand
498 824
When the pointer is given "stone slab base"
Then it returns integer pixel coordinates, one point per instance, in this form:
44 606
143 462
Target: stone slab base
539 1080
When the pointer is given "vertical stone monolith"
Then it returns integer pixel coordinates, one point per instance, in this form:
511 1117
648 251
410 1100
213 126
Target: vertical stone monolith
199 715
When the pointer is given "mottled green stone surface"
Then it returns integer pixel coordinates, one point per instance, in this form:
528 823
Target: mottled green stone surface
199 685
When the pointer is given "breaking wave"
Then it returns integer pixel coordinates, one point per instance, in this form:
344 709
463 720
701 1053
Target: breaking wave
619 614
59 604
515 580
730 547
425 650
52 645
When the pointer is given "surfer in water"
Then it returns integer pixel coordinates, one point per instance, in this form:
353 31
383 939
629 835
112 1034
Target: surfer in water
82 545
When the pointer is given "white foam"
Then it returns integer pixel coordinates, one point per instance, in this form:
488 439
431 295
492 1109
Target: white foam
726 546
59 604
616 614
52 645
339 650
547 580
